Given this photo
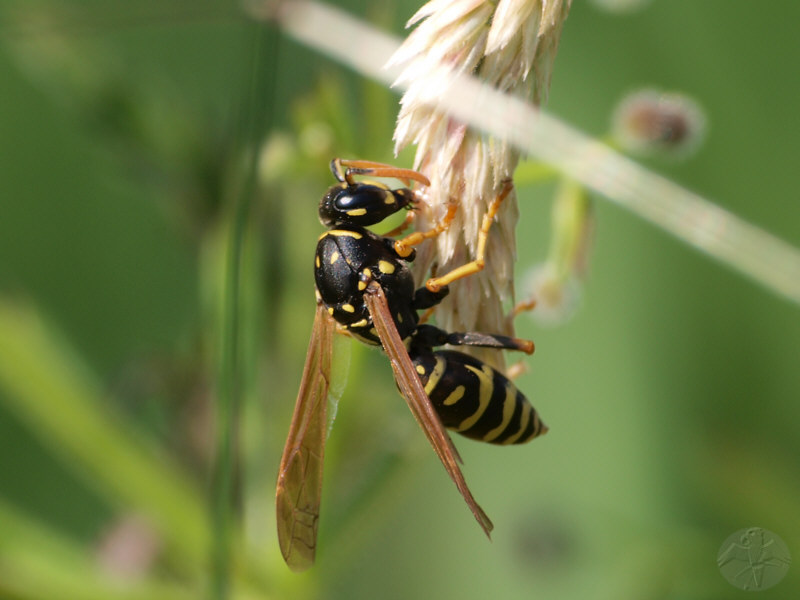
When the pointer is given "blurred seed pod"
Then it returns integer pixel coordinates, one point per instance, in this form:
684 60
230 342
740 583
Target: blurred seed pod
650 122
129 548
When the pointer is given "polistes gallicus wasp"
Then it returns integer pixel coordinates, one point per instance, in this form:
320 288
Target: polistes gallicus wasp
364 287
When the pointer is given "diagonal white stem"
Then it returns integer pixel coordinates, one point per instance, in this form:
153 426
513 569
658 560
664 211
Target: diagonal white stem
752 251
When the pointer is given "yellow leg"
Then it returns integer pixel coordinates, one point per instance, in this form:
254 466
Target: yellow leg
437 283
520 308
402 227
403 247
426 315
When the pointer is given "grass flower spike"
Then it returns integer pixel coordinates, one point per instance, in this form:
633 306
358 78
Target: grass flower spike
511 45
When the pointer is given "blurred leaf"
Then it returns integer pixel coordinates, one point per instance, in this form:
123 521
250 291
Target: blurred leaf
62 403
37 563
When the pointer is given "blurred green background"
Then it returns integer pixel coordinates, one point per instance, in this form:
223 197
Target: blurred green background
672 395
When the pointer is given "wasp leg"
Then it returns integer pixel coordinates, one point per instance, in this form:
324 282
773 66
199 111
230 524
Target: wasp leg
476 265
430 335
521 307
426 315
344 170
403 226
403 247
518 368
424 298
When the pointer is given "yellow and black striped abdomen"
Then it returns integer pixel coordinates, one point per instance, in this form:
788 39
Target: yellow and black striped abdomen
476 400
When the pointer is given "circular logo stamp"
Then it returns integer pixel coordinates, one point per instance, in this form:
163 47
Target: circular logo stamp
753 559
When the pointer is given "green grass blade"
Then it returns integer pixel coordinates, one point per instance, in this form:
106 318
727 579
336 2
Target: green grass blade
49 389
257 116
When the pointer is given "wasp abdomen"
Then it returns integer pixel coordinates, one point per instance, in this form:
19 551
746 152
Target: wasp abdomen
476 400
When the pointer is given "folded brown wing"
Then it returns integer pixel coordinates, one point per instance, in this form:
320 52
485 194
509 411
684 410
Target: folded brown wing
418 401
299 488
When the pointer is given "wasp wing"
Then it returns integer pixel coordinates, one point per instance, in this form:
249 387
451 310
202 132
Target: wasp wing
414 393
299 488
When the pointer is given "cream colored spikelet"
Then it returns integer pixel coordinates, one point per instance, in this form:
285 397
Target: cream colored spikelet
511 45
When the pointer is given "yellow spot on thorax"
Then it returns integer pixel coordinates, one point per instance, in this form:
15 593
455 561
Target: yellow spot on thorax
348 308
334 257
341 233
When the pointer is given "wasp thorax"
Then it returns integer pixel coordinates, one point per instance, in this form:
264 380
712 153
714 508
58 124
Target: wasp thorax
361 204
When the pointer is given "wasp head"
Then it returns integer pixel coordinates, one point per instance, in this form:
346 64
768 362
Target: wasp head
361 204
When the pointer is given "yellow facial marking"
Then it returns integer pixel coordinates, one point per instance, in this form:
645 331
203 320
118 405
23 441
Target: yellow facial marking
362 285
384 266
455 395
485 377
367 273
348 308
357 212
330 310
334 257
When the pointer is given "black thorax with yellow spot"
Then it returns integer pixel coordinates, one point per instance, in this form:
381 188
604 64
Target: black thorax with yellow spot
347 260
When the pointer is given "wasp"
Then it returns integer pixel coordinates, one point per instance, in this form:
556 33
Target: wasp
364 288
